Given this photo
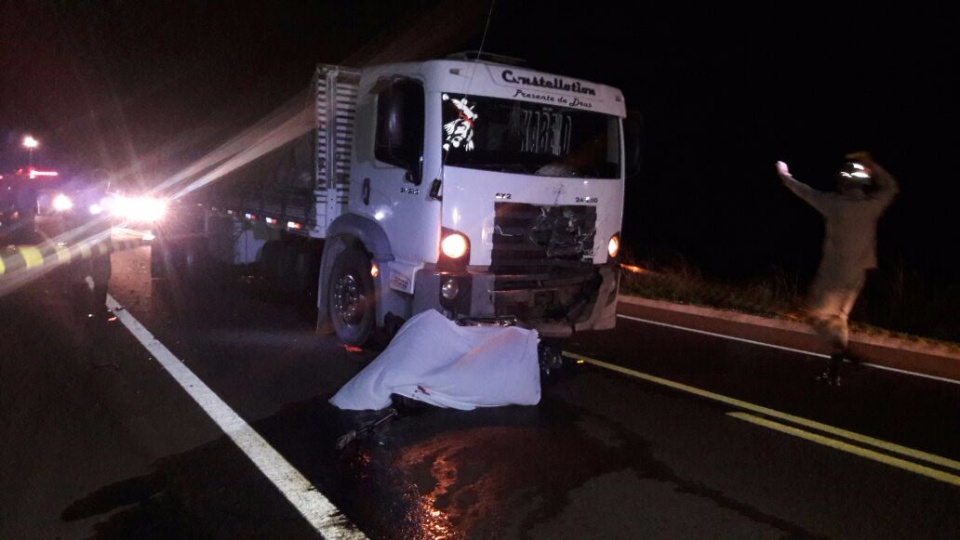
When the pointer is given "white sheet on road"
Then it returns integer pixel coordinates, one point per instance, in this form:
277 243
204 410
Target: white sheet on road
436 361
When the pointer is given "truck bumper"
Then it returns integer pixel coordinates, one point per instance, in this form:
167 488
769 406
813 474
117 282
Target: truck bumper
554 306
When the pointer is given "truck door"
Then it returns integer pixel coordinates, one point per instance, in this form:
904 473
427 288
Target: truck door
393 190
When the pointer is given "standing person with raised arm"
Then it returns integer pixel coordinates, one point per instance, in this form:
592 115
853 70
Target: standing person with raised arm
864 191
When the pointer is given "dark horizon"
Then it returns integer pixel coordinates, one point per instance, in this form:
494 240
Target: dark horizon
723 92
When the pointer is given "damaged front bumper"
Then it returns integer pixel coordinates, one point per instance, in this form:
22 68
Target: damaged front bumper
555 305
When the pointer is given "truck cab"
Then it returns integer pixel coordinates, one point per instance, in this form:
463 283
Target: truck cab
470 185
482 189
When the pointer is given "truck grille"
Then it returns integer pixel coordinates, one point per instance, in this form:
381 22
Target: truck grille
552 240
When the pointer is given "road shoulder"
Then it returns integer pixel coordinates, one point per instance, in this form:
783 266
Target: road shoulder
909 354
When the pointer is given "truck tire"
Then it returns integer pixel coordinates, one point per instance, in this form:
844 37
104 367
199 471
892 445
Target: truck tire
350 297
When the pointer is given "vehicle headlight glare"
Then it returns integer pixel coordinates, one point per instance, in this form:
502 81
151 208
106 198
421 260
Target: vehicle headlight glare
138 209
62 203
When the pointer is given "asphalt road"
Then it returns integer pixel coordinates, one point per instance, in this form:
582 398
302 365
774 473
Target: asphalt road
660 432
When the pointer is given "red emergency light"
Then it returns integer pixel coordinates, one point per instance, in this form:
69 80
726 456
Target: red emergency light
36 173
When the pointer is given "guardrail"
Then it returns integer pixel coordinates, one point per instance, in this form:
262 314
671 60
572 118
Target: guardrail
16 259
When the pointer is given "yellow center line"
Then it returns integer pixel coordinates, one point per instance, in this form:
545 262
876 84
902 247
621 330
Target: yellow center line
733 402
3 266
850 448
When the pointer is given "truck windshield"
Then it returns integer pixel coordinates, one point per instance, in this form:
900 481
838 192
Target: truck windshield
529 138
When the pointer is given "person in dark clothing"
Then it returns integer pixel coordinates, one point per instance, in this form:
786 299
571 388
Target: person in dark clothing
87 225
864 191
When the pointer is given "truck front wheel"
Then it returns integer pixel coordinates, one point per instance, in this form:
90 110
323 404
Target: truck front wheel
351 297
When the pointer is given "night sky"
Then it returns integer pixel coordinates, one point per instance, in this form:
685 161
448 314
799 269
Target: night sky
724 92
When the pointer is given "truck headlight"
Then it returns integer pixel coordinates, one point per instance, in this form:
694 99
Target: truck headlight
613 246
454 245
454 251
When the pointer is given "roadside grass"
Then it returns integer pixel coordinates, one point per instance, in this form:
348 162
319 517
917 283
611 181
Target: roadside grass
894 304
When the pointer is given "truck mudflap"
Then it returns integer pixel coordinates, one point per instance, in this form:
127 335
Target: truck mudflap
555 307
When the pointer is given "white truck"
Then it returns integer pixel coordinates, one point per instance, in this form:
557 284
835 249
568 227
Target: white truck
471 185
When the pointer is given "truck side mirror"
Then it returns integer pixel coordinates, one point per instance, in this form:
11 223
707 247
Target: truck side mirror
399 134
633 147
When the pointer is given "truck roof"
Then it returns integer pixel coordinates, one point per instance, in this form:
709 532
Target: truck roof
478 77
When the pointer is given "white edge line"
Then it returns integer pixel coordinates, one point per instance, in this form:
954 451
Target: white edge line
322 515
714 334
788 349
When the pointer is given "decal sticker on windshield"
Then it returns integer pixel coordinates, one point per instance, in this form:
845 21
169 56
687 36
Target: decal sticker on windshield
459 132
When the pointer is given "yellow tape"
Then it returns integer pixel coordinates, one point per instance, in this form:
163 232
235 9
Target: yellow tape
63 254
31 255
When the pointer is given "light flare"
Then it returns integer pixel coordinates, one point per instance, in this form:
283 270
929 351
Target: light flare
61 203
143 209
635 269
290 121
